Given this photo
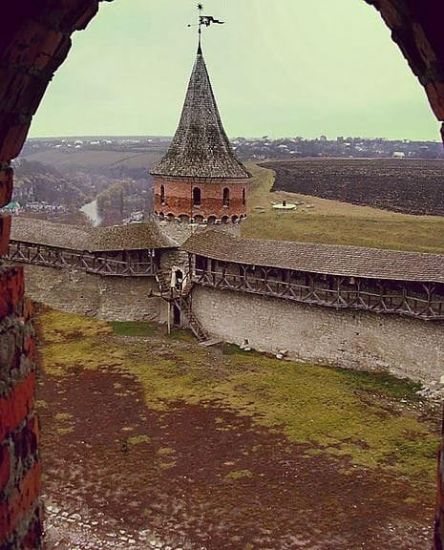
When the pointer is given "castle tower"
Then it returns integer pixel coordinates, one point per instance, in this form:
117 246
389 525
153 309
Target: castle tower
200 179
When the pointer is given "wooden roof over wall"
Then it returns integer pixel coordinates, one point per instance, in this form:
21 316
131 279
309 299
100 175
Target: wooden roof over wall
350 261
135 236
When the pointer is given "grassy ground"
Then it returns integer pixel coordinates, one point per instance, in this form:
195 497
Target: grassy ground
375 421
335 222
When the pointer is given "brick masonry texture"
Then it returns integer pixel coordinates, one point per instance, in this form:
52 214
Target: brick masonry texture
6 181
20 524
357 340
179 198
35 40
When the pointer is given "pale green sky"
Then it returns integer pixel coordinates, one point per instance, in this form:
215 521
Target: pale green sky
279 68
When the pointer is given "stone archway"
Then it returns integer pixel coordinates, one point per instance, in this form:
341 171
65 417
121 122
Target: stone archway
34 42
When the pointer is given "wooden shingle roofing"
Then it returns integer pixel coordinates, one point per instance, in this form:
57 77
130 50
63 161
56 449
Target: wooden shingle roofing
135 236
200 147
350 261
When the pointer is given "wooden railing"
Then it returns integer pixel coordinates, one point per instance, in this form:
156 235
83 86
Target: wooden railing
61 258
425 307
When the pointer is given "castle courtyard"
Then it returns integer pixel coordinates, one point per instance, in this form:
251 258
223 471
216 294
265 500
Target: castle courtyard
152 441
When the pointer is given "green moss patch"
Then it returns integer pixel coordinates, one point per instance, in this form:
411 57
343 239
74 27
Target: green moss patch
123 328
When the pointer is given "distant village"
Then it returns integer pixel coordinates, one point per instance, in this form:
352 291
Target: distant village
261 148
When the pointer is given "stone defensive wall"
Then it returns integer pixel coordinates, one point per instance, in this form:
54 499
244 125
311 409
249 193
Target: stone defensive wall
107 298
348 339
344 306
110 272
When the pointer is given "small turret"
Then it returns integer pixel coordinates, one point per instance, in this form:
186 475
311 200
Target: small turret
200 180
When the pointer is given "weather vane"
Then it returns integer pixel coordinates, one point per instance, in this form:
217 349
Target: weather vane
205 21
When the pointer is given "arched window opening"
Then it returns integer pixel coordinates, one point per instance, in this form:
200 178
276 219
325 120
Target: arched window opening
226 197
244 197
162 194
197 197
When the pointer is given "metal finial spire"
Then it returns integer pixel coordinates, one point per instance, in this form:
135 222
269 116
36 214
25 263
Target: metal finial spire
200 8
204 20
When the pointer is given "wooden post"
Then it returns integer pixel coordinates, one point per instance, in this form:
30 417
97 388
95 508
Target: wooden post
168 317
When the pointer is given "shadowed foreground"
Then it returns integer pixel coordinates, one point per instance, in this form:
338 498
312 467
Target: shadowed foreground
151 441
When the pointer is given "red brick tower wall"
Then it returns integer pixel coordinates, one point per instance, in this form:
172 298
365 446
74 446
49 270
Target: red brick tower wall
223 201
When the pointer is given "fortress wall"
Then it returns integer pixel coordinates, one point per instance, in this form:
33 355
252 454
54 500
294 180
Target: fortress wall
349 339
108 298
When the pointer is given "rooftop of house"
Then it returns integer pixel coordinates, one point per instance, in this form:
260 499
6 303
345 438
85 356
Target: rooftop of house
200 147
350 261
134 236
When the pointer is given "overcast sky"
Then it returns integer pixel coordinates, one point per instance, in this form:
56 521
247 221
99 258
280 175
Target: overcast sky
279 68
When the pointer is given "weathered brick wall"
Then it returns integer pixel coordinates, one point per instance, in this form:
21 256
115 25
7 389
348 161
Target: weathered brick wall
20 520
34 41
349 339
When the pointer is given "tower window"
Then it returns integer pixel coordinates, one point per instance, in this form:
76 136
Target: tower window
244 198
226 197
162 194
197 198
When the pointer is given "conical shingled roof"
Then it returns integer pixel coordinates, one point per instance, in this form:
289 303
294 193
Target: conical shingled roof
200 147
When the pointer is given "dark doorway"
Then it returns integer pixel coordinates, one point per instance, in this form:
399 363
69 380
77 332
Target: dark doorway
176 316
